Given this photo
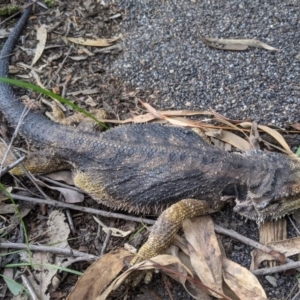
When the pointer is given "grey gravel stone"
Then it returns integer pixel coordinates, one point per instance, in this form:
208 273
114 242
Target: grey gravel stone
271 280
163 54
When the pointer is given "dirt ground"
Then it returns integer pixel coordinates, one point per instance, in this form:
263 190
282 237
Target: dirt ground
160 59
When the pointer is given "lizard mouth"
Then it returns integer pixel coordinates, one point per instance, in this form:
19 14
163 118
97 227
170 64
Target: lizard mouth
251 211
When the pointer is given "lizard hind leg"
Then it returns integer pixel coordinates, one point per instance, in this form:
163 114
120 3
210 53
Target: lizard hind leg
168 224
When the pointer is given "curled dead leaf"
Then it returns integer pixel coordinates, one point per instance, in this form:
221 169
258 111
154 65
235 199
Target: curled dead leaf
98 276
238 44
93 42
230 138
205 254
41 35
242 282
114 231
275 134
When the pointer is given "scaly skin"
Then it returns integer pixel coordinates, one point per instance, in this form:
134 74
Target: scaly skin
147 168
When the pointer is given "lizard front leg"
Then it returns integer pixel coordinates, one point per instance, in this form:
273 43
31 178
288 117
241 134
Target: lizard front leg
38 162
168 224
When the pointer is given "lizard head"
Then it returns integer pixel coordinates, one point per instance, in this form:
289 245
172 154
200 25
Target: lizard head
274 193
272 211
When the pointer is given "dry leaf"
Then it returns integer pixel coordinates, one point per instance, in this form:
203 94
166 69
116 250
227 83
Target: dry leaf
42 275
84 92
97 277
93 42
242 282
254 137
15 220
8 189
65 176
39 83
205 254
41 35
70 195
282 249
196 290
296 126
230 138
219 116
152 110
114 231
155 262
275 134
7 208
240 44
78 58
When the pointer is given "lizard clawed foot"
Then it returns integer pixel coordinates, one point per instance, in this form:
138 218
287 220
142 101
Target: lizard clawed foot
165 229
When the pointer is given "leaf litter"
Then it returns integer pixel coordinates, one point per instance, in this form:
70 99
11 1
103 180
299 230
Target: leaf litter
42 275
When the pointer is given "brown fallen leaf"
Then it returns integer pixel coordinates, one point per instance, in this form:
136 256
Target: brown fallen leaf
282 249
182 122
296 126
254 137
6 208
157 262
275 134
152 110
242 282
205 254
114 231
98 276
219 116
179 274
41 35
93 42
230 138
240 44
65 176
196 290
70 195
166 113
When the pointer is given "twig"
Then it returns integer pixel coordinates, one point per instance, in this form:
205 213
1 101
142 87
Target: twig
282 268
108 235
56 250
29 288
294 225
20 122
296 296
63 62
11 166
57 183
167 285
69 216
83 209
247 241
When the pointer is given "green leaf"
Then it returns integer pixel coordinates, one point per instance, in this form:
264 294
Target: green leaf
38 89
13 286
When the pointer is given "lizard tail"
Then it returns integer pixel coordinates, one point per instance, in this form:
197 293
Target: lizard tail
37 128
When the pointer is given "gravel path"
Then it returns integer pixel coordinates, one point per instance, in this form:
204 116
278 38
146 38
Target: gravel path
164 55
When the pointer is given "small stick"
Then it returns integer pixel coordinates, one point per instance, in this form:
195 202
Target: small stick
28 286
11 166
56 250
83 209
108 235
249 242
